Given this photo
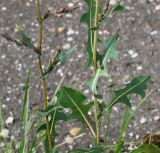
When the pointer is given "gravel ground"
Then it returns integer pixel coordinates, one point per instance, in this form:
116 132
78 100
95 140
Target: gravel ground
139 49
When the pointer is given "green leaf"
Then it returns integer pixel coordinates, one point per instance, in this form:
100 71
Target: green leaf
147 148
87 18
110 52
28 42
56 115
93 150
46 145
25 115
49 110
73 99
136 86
59 58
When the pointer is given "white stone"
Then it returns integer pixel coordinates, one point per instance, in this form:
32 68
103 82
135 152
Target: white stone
70 4
139 67
132 53
28 4
156 118
66 46
157 7
113 2
69 15
68 139
89 113
4 133
69 39
154 32
70 32
9 120
4 9
143 120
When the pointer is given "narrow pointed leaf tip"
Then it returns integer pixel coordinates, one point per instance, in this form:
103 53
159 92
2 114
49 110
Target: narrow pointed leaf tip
88 18
116 8
73 99
110 52
26 41
136 86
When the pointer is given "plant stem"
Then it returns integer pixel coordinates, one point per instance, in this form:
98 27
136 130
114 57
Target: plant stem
108 116
41 70
96 109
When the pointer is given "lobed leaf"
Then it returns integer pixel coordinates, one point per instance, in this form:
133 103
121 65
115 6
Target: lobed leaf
87 18
110 52
73 99
136 86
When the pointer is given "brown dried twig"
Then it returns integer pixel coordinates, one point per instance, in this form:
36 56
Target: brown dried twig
7 37
60 12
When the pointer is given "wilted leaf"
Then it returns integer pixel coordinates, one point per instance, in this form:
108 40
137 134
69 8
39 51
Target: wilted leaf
88 19
110 52
117 7
73 99
59 58
136 86
28 42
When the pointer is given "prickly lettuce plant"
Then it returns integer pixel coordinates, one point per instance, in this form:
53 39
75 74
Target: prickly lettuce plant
70 98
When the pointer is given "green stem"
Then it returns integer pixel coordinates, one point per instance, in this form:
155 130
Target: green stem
41 70
108 116
96 109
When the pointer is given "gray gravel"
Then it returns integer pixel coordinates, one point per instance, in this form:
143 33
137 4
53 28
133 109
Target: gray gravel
139 49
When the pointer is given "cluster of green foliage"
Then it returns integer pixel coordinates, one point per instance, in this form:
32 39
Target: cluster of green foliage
73 99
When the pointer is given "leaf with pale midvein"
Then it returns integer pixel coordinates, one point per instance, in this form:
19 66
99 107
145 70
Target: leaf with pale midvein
73 99
136 86
87 18
110 52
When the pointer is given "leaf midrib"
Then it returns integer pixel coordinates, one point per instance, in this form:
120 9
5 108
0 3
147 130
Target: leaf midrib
81 114
125 93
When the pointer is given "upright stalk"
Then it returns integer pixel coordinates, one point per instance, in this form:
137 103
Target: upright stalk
96 109
40 21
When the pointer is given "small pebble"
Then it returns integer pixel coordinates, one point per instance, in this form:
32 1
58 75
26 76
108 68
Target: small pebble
154 33
157 7
143 120
132 53
66 46
139 67
9 120
69 39
3 9
60 29
156 118
70 32
70 4
74 131
5 133
68 139
113 2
